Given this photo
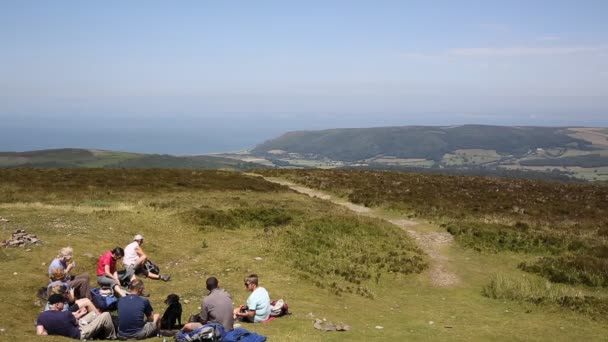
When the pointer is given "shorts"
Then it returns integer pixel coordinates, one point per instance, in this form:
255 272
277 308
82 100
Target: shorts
148 330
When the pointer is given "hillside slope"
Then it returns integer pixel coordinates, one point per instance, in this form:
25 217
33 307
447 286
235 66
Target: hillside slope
83 158
356 144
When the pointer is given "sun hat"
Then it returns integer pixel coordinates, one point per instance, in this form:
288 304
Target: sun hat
138 237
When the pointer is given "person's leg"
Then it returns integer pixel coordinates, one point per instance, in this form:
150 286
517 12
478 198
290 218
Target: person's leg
191 326
81 285
126 276
86 303
100 327
148 330
156 320
141 269
105 281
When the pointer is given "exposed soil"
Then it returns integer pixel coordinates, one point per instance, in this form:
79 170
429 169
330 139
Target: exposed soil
432 243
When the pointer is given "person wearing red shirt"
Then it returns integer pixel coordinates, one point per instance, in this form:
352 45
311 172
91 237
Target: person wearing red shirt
106 271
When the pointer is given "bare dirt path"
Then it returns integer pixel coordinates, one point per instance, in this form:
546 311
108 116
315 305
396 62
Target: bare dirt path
433 243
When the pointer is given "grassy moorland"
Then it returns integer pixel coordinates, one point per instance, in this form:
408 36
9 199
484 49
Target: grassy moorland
325 261
560 231
320 258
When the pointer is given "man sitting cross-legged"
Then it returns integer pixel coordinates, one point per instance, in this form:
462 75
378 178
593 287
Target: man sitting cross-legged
56 321
258 302
135 315
216 307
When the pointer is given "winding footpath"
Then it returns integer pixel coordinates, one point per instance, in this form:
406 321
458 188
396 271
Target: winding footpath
432 243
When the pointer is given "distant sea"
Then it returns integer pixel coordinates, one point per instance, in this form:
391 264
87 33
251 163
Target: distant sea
144 135
202 134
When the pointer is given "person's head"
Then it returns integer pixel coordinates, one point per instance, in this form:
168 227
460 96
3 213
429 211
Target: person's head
59 289
57 274
212 283
251 282
136 286
57 301
118 253
65 254
139 238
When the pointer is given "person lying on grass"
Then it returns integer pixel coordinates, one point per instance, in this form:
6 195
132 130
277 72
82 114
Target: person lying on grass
58 321
71 304
64 262
135 258
258 303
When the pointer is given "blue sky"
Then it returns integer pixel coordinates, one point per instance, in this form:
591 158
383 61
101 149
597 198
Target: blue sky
215 75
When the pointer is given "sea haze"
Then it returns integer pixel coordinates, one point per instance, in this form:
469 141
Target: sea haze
191 134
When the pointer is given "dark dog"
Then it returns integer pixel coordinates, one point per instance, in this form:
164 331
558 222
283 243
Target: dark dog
172 318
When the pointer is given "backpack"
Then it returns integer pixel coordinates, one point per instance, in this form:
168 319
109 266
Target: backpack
103 302
278 308
208 332
242 335
151 267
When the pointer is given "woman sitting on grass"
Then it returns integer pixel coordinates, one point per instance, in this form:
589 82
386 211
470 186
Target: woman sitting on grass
80 283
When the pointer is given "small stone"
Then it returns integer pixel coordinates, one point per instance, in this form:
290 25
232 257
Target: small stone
506 310
379 327
186 301
15 273
2 330
258 258
431 322
44 264
228 270
28 250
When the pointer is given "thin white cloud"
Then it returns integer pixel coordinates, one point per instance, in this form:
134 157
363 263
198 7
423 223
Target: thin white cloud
513 51
521 51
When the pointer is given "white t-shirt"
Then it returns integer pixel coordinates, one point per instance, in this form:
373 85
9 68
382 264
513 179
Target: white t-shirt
131 256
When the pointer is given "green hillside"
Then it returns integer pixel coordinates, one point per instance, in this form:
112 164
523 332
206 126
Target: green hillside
82 158
432 143
428 258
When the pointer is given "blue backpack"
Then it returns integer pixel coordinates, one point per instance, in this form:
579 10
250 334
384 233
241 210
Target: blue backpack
103 303
242 335
212 332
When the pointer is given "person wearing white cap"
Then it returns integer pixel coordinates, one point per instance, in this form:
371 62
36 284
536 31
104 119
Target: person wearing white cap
135 258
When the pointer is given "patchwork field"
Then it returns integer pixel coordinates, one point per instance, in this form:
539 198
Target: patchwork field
324 259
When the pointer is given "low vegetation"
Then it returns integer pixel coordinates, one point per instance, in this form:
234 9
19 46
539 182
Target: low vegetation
567 224
325 261
542 292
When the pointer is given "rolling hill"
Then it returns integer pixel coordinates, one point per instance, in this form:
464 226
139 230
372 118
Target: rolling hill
83 158
581 152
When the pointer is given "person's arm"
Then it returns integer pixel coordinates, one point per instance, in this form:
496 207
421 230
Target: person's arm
70 267
80 312
40 331
247 314
114 275
141 256
204 312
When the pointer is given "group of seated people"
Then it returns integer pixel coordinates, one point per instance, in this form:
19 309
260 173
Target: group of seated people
70 310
